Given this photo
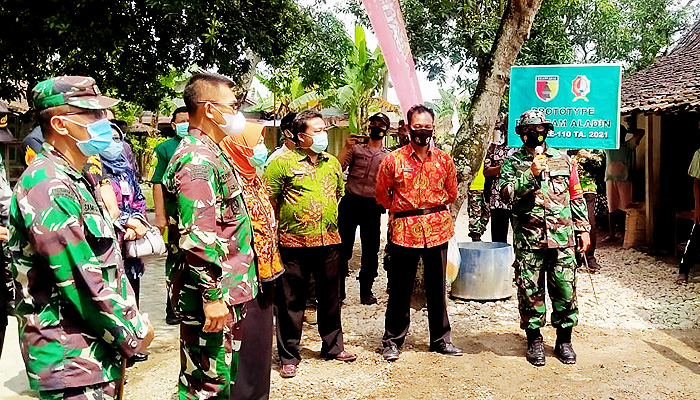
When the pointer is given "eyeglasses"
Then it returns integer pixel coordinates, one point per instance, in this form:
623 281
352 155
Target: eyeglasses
232 106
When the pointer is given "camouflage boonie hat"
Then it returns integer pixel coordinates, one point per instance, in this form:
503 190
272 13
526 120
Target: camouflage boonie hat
533 117
76 91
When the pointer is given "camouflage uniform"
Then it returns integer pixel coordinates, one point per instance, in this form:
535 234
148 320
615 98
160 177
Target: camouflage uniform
477 209
216 237
547 211
77 314
7 288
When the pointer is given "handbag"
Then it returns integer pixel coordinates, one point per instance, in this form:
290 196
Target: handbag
150 244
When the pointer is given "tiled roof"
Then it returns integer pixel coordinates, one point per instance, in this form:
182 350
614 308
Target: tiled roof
671 84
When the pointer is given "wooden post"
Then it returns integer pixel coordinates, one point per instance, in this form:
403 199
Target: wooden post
652 169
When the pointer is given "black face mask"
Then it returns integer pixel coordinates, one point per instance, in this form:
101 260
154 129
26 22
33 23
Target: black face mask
533 139
421 137
376 132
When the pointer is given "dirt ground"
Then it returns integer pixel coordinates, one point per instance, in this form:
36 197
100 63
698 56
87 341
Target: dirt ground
650 361
638 338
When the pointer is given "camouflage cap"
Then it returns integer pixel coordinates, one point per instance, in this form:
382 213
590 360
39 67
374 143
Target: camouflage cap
76 91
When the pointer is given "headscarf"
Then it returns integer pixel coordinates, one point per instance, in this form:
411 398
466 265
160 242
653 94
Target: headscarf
239 149
120 164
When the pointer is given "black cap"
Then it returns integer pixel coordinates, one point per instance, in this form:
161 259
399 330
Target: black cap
381 117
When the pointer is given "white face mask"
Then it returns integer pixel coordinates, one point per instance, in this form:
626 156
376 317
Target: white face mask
235 123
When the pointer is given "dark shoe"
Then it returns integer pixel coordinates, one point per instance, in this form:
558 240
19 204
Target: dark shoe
535 352
138 357
593 266
343 356
368 299
565 353
610 239
682 279
390 353
446 348
172 320
288 371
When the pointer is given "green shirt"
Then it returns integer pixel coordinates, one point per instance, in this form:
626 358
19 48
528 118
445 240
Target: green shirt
307 196
164 152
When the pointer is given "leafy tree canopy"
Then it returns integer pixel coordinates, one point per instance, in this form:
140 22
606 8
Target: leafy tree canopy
130 45
459 33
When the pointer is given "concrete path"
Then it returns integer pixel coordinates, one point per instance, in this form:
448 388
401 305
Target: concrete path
13 378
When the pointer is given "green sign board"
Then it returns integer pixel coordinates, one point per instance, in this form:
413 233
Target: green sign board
581 101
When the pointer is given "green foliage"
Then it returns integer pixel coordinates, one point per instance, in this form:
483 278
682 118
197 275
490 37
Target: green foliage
461 33
633 32
363 79
310 70
130 45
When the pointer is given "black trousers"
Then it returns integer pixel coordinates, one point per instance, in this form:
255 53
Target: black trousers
500 218
255 355
590 204
364 212
290 298
402 274
3 328
692 250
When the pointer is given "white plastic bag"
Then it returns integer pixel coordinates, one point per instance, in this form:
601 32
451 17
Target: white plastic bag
454 259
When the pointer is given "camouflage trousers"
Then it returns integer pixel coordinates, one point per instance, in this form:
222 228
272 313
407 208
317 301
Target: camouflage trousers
478 212
103 391
556 268
208 360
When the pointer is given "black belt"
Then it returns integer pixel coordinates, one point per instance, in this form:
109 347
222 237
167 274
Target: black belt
420 211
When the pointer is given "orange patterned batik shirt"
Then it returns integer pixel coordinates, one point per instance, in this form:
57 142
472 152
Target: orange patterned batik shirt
405 183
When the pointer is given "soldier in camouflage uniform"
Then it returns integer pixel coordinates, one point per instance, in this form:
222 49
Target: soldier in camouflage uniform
542 185
77 313
6 286
219 273
477 207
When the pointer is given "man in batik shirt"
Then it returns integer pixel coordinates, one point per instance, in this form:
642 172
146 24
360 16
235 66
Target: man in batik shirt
416 183
218 275
305 187
77 313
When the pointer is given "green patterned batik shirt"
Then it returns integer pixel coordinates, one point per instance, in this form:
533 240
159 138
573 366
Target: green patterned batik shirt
307 197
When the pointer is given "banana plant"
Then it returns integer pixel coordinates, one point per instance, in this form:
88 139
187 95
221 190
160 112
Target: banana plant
364 77
287 94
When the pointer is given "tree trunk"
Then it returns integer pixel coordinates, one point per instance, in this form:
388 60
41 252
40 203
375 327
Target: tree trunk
474 135
246 80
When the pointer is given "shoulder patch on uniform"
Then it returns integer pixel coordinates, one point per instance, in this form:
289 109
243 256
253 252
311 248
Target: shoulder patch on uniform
64 192
200 172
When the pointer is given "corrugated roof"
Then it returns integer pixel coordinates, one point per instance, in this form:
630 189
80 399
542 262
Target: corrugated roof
671 84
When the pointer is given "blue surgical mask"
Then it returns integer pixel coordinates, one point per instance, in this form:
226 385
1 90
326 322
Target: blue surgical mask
320 142
182 129
113 151
259 155
100 137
